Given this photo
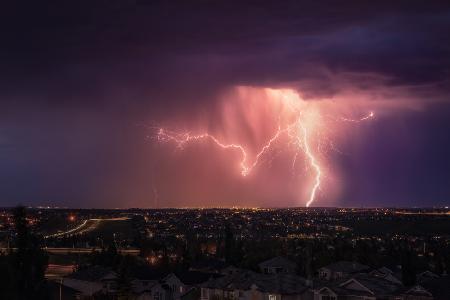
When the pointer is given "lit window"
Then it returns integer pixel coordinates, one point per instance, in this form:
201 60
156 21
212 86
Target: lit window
272 297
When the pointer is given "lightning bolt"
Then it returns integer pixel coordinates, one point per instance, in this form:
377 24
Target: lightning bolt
184 138
299 137
367 117
314 164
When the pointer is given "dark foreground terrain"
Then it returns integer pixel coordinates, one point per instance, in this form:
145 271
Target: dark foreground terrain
225 253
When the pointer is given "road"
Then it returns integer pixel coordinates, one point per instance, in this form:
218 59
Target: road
133 252
85 226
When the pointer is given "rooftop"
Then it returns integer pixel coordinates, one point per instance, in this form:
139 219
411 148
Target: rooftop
347 267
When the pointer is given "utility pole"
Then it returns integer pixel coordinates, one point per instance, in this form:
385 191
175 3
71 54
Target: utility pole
60 289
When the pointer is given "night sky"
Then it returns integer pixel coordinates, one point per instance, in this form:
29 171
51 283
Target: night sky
85 85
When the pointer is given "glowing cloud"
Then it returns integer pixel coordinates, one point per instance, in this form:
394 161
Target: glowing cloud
303 126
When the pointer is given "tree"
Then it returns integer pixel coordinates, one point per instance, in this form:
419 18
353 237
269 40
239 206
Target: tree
124 285
29 260
8 287
229 243
408 271
308 260
237 253
108 257
186 258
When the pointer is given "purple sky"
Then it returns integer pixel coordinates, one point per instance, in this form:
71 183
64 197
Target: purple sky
83 83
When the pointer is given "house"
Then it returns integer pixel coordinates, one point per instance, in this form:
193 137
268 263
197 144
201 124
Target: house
341 269
192 294
277 265
58 291
369 287
438 287
387 274
183 284
147 284
92 280
256 286
416 292
424 276
176 286
382 271
150 290
230 270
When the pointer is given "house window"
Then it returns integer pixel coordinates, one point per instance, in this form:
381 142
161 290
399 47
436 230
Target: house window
328 298
272 297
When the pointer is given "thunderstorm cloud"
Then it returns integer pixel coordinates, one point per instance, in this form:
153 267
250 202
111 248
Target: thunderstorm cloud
84 83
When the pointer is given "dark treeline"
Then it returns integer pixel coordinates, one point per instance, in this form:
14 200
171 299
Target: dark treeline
310 254
22 270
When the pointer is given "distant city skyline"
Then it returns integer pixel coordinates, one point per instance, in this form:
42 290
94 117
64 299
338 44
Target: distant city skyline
189 104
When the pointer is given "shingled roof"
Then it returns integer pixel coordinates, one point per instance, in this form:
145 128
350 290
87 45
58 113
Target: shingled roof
379 286
271 283
347 267
369 285
277 261
195 277
438 287
94 273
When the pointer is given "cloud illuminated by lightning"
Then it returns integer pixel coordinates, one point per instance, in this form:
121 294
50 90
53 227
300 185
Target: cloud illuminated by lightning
303 124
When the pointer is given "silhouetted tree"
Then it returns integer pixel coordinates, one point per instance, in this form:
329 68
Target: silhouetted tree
108 257
8 284
229 243
186 259
408 271
29 260
124 285
308 261
237 253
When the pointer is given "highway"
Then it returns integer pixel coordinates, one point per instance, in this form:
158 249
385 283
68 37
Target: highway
68 250
85 226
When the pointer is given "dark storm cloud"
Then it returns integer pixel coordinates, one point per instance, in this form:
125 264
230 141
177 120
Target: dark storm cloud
404 159
87 47
78 77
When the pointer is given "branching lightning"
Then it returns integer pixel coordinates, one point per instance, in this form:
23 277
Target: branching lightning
369 116
246 168
299 133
